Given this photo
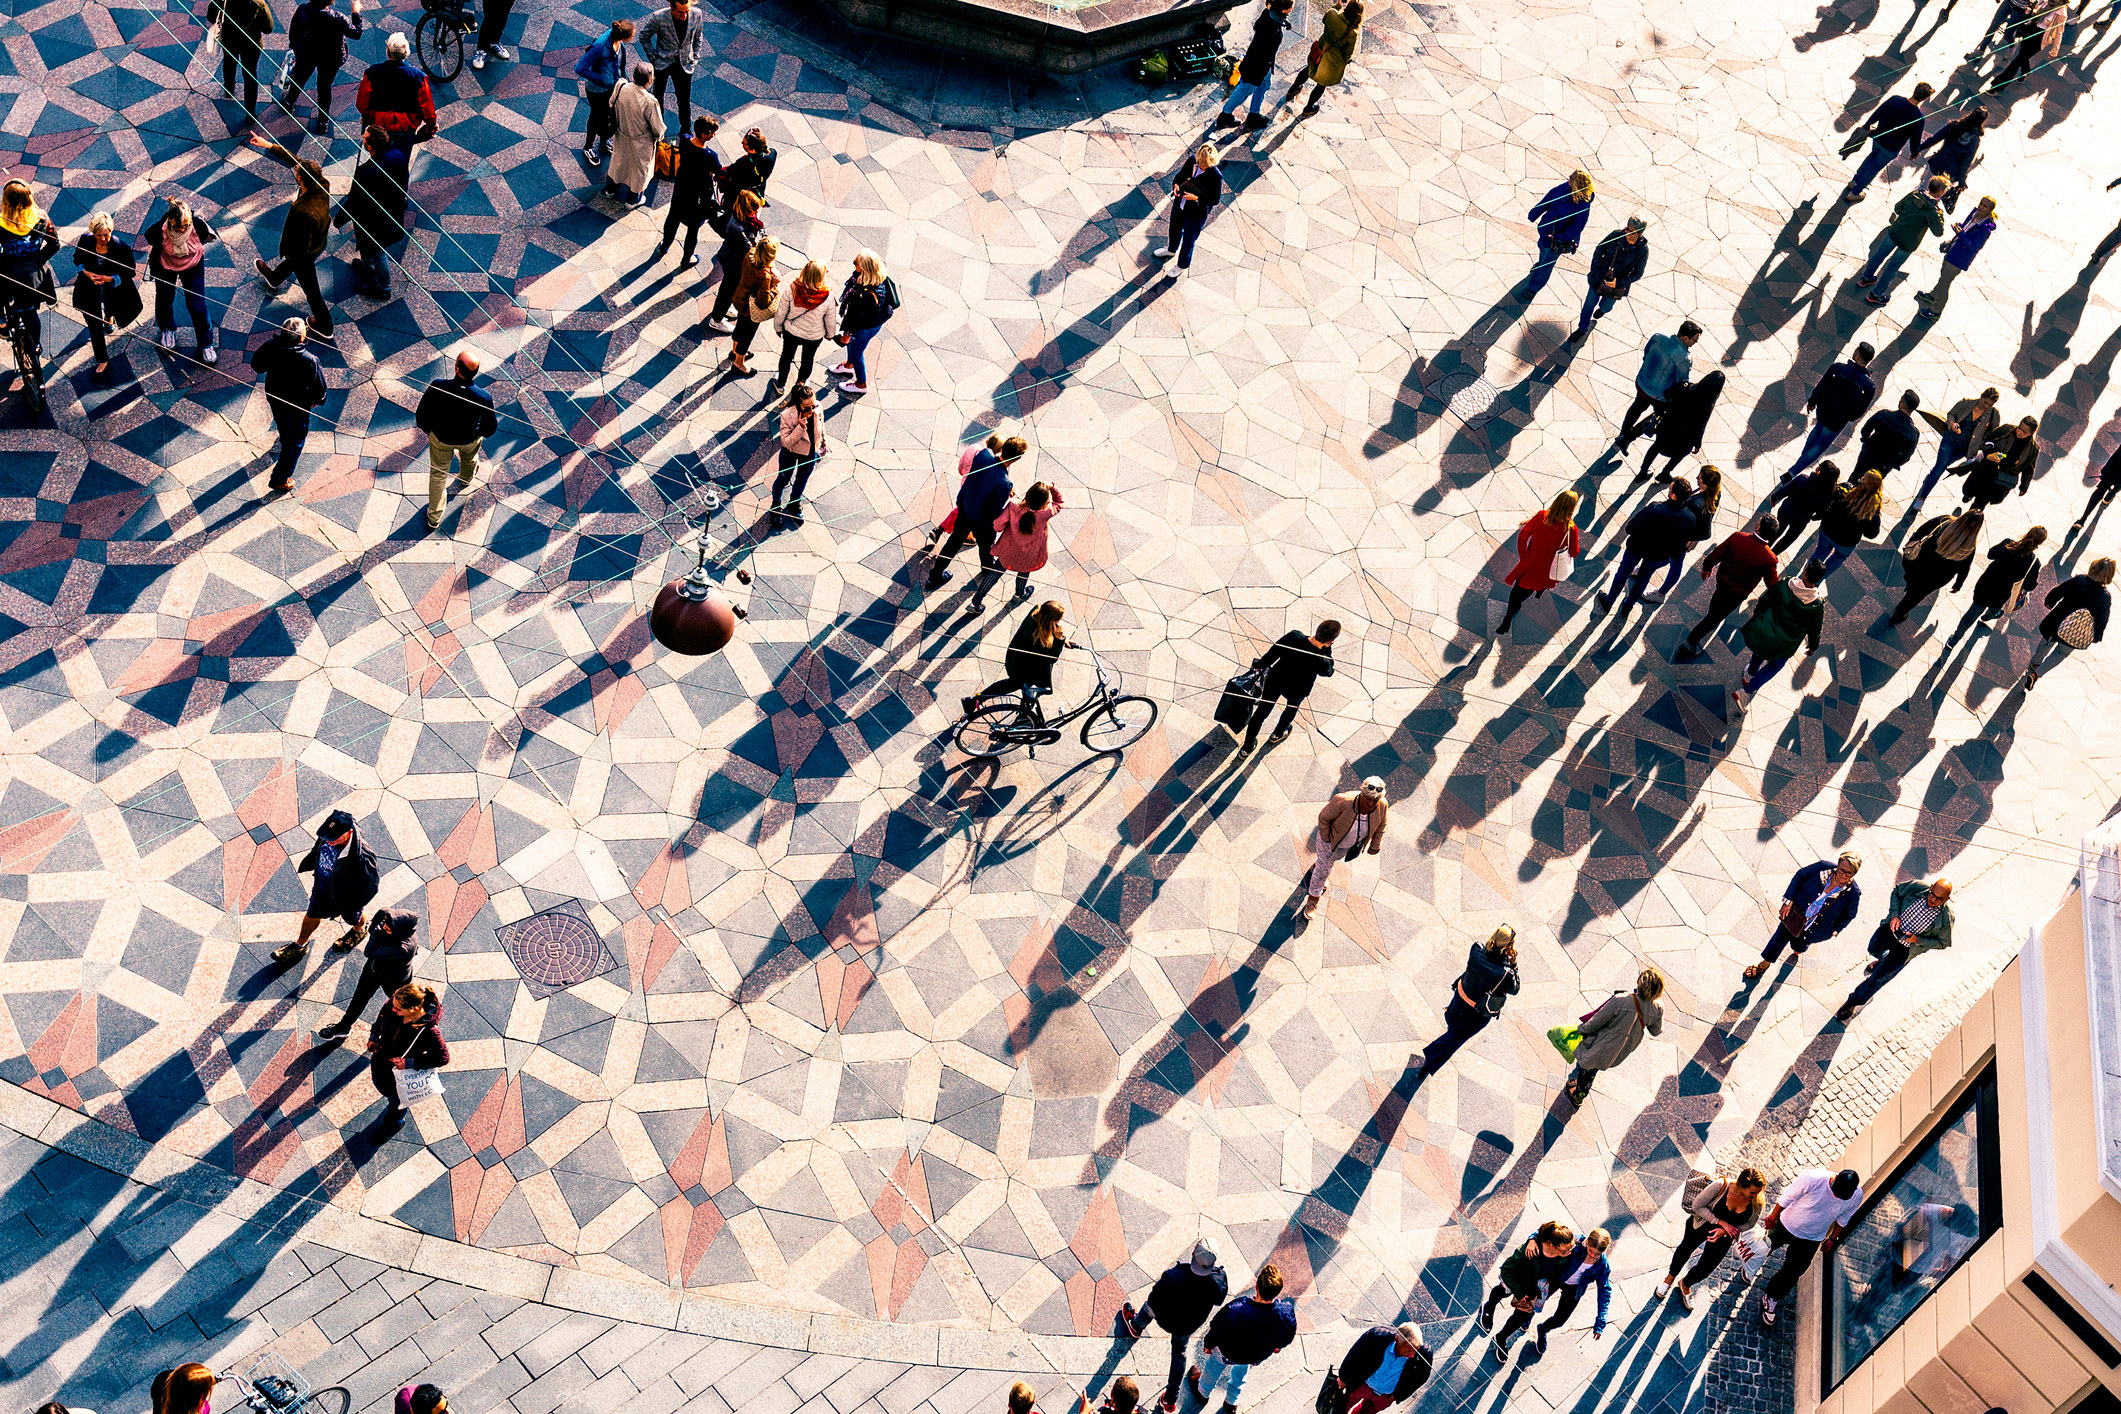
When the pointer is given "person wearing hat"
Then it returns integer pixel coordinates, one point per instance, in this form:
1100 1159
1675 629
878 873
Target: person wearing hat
344 880
1181 1302
1350 820
387 966
1808 1219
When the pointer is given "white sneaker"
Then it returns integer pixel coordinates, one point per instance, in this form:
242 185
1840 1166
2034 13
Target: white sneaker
169 338
1686 1299
210 354
478 58
1178 272
844 370
1664 1289
1164 254
1767 1310
503 53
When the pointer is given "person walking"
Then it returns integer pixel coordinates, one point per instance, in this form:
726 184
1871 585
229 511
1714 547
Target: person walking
1684 423
1560 217
751 169
1028 662
1526 1278
1894 127
294 388
981 498
316 44
2033 36
758 294
1793 611
2006 581
1248 1331
1808 1219
802 446
1477 996
637 126
1890 437
2103 491
1181 1302
457 417
1715 1215
1940 551
692 192
1955 145
386 966
602 68
1913 215
407 1035
671 42
1256 68
395 95
1971 422
493 22
106 286
1195 191
343 881
2004 27
1968 237
1918 919
2005 459
1349 820
1842 394
1819 903
1657 537
304 231
1851 518
1613 1031
375 208
867 303
176 255
1616 264
1667 363
1386 1365
1803 500
28 241
1742 563
1587 1266
1544 541
742 228
243 25
2077 611
1702 505
1331 53
421 1399
1294 663
1020 540
805 318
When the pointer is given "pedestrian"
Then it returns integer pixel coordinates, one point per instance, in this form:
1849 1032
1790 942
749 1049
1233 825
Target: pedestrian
1294 664
422 1399
304 231
1793 611
2006 582
805 318
187 1389
1247 1332
981 498
2112 242
1851 518
1667 363
1347 822
741 230
1842 394
1477 996
671 41
1918 920
395 96
243 25
1331 52
1256 68
1612 1032
1890 437
2077 609
1386 1365
493 20
1971 422
343 881
602 68
1715 1216
2109 477
637 126
750 170
1684 422
1820 901
1616 264
176 255
1020 538
2033 36
1547 545
316 44
1022 1399
1587 1265
1122 1396
802 446
2005 459
386 965
1560 217
1956 145
1028 662
867 303
1526 1278
692 192
1968 237
1941 550
106 286
375 208
1703 505
407 1036
1657 537
1804 499
1808 1218
457 417
1894 127
1181 1302
294 389
2004 27
1913 214
1195 190
758 294
28 241
1742 563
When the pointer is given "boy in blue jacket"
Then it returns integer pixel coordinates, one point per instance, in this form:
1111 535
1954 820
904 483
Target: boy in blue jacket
1586 1264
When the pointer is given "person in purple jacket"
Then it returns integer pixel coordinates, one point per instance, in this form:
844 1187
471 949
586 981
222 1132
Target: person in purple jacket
1560 217
1245 1333
1967 239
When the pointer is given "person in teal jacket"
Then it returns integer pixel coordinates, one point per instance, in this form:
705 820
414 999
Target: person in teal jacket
1918 920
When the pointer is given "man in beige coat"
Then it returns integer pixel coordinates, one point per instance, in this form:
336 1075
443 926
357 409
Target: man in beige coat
1350 820
637 121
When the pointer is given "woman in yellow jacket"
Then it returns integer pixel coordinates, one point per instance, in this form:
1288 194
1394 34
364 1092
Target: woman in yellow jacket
1331 54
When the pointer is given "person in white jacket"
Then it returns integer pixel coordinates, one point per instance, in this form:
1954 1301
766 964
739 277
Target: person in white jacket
806 317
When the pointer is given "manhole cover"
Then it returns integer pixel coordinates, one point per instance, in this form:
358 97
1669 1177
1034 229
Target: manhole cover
1469 397
555 949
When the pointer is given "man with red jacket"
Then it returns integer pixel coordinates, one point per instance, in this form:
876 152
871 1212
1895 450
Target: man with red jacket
1742 564
395 96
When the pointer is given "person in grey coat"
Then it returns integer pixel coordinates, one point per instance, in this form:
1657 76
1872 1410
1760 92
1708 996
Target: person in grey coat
1615 1029
671 40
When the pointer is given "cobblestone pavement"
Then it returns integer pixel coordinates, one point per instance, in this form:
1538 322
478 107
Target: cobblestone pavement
862 1031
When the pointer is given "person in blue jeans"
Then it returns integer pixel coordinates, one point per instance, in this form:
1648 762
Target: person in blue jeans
1616 265
1842 394
1894 127
1657 538
1245 1333
1560 216
1972 421
866 305
1851 518
1256 69
1913 215
1194 193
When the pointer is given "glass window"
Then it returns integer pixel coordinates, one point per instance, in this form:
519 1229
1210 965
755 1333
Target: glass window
1940 1204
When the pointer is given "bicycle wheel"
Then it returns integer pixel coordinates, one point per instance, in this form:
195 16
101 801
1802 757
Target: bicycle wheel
992 729
31 368
328 1401
1118 724
441 45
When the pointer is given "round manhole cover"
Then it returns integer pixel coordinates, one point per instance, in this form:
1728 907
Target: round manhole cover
1469 397
555 950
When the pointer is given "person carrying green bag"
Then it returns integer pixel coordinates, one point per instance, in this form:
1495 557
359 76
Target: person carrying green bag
1610 1034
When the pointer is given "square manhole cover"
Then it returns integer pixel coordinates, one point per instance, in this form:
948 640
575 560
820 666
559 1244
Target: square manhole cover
556 949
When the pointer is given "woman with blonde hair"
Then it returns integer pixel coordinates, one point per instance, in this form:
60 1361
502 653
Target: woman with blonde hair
1195 190
1851 518
742 228
1331 54
1613 1031
866 306
176 254
1490 979
758 294
805 318
1541 543
28 241
1560 216
1941 550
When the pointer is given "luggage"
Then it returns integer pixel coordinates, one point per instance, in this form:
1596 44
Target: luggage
1240 697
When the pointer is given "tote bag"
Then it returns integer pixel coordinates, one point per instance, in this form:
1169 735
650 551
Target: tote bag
1752 1249
417 1085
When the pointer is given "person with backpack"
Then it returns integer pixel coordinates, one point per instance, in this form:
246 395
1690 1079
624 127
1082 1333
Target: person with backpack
1914 215
1851 518
1717 1210
867 303
1918 920
316 44
1527 1277
1742 563
751 169
1820 901
1546 537
1331 53
1808 1218
375 208
692 192
2006 581
1477 997
407 1036
602 68
1292 666
386 966
1614 1029
1940 552
396 96
2077 609
981 498
1181 1301
1588 1265
1792 612
343 881
294 387
244 25
1247 1332
1560 218
1386 1365
1020 542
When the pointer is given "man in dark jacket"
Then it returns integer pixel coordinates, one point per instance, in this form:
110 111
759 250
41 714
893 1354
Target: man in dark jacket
1657 538
387 966
1294 665
375 208
316 38
2006 459
692 191
1477 997
1387 1365
1528 1275
1821 901
1917 214
1245 1333
981 497
343 881
1838 398
1616 265
244 25
1895 126
457 418
1181 1301
1256 69
294 386
1742 563
1889 438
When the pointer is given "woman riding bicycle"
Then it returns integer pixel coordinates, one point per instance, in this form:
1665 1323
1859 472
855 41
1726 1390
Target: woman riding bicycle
1029 662
28 241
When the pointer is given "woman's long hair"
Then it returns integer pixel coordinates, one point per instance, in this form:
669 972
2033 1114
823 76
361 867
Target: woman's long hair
1956 538
1035 500
1046 621
1562 509
2032 540
183 1390
1865 497
1711 488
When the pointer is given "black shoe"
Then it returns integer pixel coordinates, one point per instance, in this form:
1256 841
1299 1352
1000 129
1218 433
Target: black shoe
1687 653
1193 1384
1255 122
1225 120
1486 1318
662 248
688 262
337 1031
939 579
1251 745
1539 1341
1278 738
793 513
968 704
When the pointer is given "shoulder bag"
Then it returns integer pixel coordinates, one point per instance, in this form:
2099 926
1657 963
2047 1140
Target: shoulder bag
1332 1399
666 159
2076 628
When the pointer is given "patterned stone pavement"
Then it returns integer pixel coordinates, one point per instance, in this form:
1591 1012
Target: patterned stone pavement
868 1031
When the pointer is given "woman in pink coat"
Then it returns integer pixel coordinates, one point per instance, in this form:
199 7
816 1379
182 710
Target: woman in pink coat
1021 545
1539 540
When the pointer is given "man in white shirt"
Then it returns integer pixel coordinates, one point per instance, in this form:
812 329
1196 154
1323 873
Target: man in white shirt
1807 1218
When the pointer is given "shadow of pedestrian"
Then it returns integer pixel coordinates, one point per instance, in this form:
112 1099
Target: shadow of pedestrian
1775 296
1835 21
1426 392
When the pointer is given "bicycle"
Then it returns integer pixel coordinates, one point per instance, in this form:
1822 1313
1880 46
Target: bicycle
439 37
1113 721
273 1386
24 331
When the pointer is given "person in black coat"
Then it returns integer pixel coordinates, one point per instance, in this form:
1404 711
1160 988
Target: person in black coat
375 207
2086 592
1616 265
1842 394
294 387
2109 483
1944 554
1033 650
1196 188
244 25
2013 569
316 42
751 170
2005 460
343 879
692 192
1257 66
1685 422
1181 1302
407 1036
1820 901
1956 145
1477 997
1890 437
1657 538
106 287
386 966
1804 499
1294 665
1396 1354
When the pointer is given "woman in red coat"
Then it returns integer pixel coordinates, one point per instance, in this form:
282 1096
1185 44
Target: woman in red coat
1539 540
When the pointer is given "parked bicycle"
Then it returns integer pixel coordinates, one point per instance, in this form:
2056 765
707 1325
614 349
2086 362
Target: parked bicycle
1113 721
440 37
273 1386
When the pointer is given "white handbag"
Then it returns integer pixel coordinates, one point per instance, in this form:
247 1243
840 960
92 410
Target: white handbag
1752 1249
417 1085
1564 567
